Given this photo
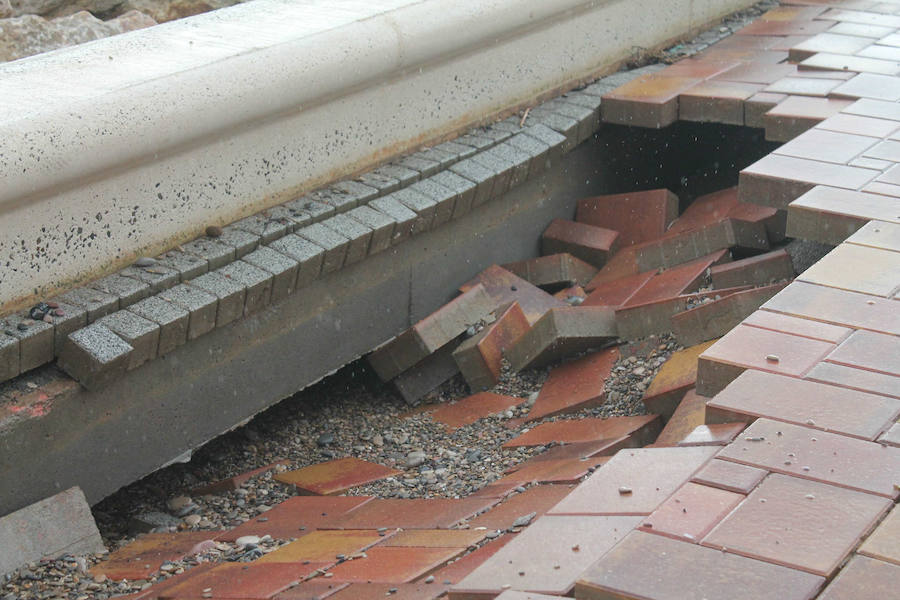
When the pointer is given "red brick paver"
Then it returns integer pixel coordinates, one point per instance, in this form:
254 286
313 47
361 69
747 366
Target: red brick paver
335 477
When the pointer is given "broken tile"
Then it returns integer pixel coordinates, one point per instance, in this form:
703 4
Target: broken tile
675 377
637 216
643 427
335 476
555 270
676 280
472 408
863 578
575 385
240 580
691 512
393 565
729 476
417 513
690 413
589 243
504 287
324 546
479 357
145 555
562 332
297 515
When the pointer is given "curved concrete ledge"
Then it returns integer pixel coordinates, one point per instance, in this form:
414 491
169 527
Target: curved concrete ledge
132 144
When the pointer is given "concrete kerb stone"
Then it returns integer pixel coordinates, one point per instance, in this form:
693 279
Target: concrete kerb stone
381 224
481 176
72 318
94 356
402 174
173 321
36 340
283 269
127 289
158 277
515 157
588 119
230 293
441 157
535 148
187 265
309 257
425 167
242 241
459 150
96 303
339 200
422 205
500 169
201 307
476 140
216 254
334 244
267 227
495 134
258 284
9 356
359 235
462 187
361 192
383 183
140 333
444 199
566 126
554 140
403 217
306 211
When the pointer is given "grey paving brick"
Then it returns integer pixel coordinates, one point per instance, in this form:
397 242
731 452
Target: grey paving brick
481 176
231 295
444 199
283 215
96 303
215 253
464 189
334 244
361 192
158 277
283 269
457 150
9 356
257 282
402 174
519 160
381 224
496 135
307 211
201 307
535 148
588 119
171 318
339 200
36 340
94 356
267 227
510 125
242 241
309 257
382 183
127 289
559 123
72 318
555 140
424 166
500 169
187 265
359 235
422 205
404 218
479 142
580 98
600 87
441 157
139 333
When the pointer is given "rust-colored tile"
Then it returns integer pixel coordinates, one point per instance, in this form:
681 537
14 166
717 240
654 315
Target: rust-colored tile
575 450
296 516
461 567
815 330
691 512
749 72
617 292
757 105
434 538
818 455
884 543
856 379
792 13
729 476
863 578
480 358
716 101
868 350
575 385
717 434
538 500
590 243
800 27
324 546
878 234
392 591
505 287
675 377
802 524
648 101
144 556
335 476
637 216
559 471
857 269
586 430
233 483
681 570
560 269
827 146
634 482
240 581
689 414
393 565
417 513
796 114
547 557
675 281
808 403
316 589
472 408
698 68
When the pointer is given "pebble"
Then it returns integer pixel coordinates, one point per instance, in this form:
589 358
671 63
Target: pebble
214 231
325 439
524 520
178 503
192 520
145 261
624 490
248 540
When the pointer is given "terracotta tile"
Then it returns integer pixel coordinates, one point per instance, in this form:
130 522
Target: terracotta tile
240 580
818 455
504 288
698 68
792 13
691 512
144 556
324 546
651 475
297 515
729 476
676 280
884 543
796 114
757 105
461 567
617 292
831 305
537 499
797 326
828 42
802 524
575 385
393 591
891 437
856 379
547 557
480 357
622 573
827 146
554 270
586 430
472 408
434 538
675 377
648 101
871 351
233 483
754 270
590 243
863 579
317 589
838 62
561 471
716 434
802 27
749 72
802 402
393 565
878 234
763 57
637 216
419 513
857 269
688 415
716 101
844 123
335 476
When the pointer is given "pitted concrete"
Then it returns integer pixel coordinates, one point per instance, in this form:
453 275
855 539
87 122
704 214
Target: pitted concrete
36 340
230 293
172 320
140 333
95 356
201 307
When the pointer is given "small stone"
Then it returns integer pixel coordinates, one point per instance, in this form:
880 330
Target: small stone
192 520
248 540
624 490
810 497
100 578
429 579
214 231
22 326
772 358
524 520
178 503
325 439
145 261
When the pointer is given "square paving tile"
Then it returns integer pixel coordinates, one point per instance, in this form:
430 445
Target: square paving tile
828 42
391 591
796 326
688 572
863 579
869 350
802 524
851 309
867 126
717 434
729 476
245 581
796 114
878 234
751 72
547 557
870 85
615 292
416 513
472 408
884 543
634 482
586 430
575 385
675 281
393 565
808 403
676 376
296 516
857 269
316 589
856 379
335 476
690 413
818 455
324 546
461 567
535 500
656 209
144 556
717 101
434 538
648 101
504 287
691 512
827 146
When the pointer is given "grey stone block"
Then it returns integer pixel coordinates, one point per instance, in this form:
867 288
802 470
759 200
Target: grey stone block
588 101
285 216
555 140
479 142
441 157
36 340
510 125
216 254
283 269
403 217
422 205
424 166
494 134
171 318
359 235
61 524
517 158
567 126
9 356
339 200
361 192
242 241
257 282
72 319
402 174
444 199
201 307
127 289
458 150
140 333
308 211
599 88
481 176
96 303
267 227
501 170
381 224
309 257
334 244
588 120
536 149
187 265
158 277
94 356
231 295
383 183
462 187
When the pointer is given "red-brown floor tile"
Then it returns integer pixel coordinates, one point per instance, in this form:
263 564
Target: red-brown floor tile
296 516
418 513
869 350
884 543
461 567
648 101
749 72
698 68
856 379
393 565
560 471
233 483
828 42
717 434
818 455
144 556
586 430
729 476
826 146
796 114
505 287
878 234
472 408
617 292
691 512
590 243
800 27
392 591
808 403
548 556
316 589
335 476
844 123
634 482
675 281
857 269
679 569
838 62
324 546
863 579
434 538
802 524
690 413
716 101
538 499
676 376
575 385
831 215
637 216
815 330
246 581
480 358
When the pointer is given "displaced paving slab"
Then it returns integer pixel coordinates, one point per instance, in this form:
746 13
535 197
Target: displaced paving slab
575 385
335 476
